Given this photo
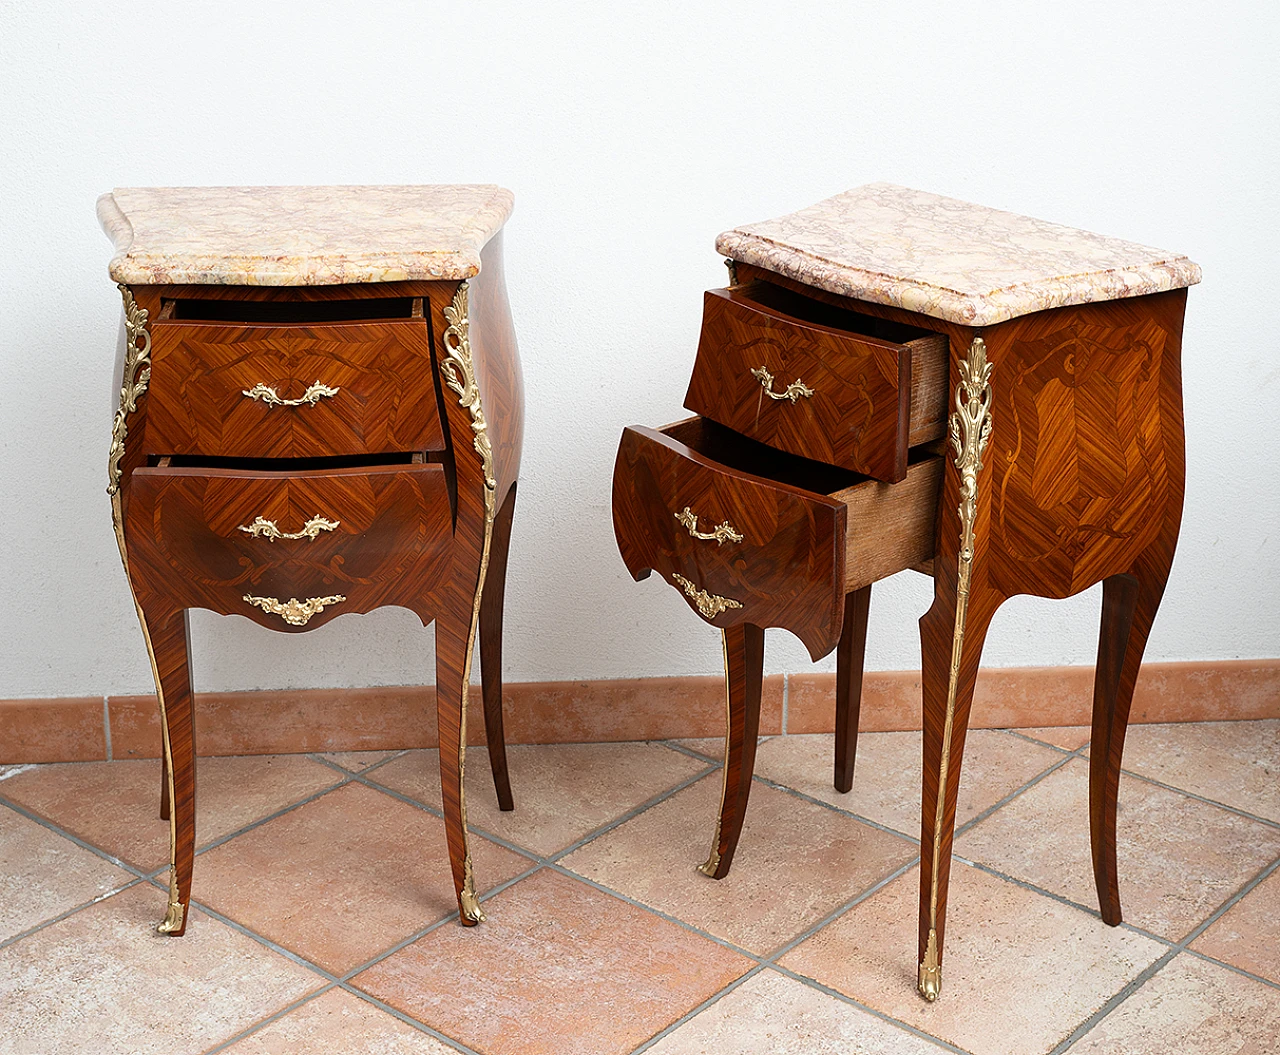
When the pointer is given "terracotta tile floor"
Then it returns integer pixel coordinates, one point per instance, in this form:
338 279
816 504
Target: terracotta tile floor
324 921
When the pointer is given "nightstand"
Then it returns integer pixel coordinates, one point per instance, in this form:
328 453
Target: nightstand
320 413
898 380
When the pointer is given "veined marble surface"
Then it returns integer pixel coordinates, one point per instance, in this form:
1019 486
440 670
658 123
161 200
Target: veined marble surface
300 236
950 259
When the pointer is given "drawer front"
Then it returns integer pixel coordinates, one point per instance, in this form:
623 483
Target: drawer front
292 391
813 390
739 548
210 537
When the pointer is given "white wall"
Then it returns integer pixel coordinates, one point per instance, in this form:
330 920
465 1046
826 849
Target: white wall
631 134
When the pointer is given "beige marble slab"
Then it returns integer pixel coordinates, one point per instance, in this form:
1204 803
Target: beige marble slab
950 259
300 236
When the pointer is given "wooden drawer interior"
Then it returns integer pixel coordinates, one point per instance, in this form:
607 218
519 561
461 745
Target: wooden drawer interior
889 527
782 539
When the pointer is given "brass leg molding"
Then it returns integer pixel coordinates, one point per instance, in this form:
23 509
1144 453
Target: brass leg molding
137 375
970 433
459 375
712 863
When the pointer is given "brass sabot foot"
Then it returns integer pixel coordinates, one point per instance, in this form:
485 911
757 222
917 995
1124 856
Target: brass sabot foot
930 980
172 922
468 904
471 911
176 913
709 866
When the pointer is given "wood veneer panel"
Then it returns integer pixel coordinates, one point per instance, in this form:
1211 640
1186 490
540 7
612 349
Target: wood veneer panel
385 399
390 546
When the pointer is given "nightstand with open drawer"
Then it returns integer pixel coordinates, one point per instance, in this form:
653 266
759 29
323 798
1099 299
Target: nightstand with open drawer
898 380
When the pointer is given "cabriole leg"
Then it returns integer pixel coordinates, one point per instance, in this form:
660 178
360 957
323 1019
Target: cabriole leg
1129 605
951 637
454 639
744 674
169 640
491 648
850 658
943 753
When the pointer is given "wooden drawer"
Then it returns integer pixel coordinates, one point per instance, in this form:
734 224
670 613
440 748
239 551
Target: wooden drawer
217 389
374 535
818 381
749 534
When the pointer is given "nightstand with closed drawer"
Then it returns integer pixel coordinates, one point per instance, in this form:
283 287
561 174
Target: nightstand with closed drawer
898 380
320 413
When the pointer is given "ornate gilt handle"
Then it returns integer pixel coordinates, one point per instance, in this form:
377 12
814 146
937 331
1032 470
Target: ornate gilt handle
311 396
723 533
293 611
793 391
263 528
709 604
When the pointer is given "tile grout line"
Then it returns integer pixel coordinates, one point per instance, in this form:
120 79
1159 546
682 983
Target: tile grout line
723 942
1044 743
422 1027
418 935
305 801
832 807
106 726
318 756
694 1012
406 799
1200 798
551 863
296 958
275 1016
1017 792
15 938
1126 991
1177 949
31 816
813 983
836 913
631 814
689 752
1246 888
903 835
1230 967
762 962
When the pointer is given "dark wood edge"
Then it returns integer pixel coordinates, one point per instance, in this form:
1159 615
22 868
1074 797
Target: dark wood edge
742 295
660 436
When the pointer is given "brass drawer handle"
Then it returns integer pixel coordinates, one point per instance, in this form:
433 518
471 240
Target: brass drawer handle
268 395
722 534
794 391
709 604
263 528
293 611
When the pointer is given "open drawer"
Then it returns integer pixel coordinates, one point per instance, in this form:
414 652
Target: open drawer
819 381
750 534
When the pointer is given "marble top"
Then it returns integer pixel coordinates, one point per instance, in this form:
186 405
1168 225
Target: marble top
950 259
300 236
